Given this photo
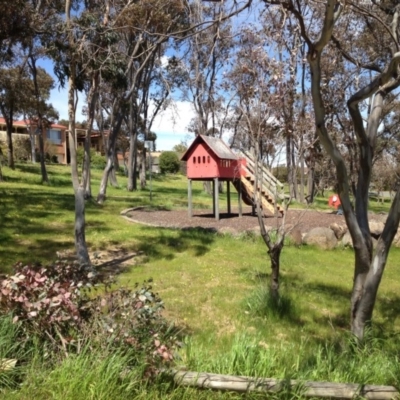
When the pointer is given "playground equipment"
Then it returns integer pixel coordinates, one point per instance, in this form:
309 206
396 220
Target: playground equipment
210 159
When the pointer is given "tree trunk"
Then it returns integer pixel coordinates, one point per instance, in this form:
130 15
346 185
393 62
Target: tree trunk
101 197
290 166
294 171
132 184
311 185
43 170
302 184
86 176
10 147
112 176
33 152
274 248
1 162
274 256
143 169
80 240
92 100
207 187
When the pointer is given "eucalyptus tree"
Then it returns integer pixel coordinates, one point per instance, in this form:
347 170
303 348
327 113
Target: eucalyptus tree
154 84
206 57
15 24
100 62
72 40
40 110
150 24
13 82
344 25
254 83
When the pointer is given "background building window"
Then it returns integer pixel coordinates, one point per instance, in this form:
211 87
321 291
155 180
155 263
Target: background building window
54 136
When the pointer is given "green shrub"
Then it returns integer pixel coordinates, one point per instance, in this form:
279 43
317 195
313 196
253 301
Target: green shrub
169 162
97 161
21 147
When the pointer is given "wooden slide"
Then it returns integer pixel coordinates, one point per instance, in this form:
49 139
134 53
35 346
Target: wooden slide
268 187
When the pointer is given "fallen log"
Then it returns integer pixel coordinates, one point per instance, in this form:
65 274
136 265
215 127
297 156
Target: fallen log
244 384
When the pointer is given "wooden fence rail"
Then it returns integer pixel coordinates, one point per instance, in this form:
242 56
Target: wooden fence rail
244 384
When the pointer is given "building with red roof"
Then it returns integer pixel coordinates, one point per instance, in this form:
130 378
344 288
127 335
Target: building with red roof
55 134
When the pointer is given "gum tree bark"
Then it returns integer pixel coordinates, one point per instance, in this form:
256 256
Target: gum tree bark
1 171
92 100
79 189
132 158
40 125
10 153
110 156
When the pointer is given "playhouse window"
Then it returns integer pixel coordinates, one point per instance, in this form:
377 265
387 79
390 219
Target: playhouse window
204 159
194 160
199 159
208 159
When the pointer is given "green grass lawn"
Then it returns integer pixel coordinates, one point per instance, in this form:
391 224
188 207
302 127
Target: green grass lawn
213 285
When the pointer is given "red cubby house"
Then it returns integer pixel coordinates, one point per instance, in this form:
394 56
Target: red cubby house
210 159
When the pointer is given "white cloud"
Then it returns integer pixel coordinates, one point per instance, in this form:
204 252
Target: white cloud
171 125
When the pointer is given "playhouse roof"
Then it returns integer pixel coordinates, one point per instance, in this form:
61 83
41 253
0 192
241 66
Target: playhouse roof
216 145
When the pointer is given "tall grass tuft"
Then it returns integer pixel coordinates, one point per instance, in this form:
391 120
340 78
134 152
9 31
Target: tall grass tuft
13 354
263 303
337 361
92 374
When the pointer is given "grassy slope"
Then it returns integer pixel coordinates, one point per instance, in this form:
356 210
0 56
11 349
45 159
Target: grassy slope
210 283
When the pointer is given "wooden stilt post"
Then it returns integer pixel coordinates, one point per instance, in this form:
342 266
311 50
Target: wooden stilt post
190 208
213 196
240 198
228 197
216 198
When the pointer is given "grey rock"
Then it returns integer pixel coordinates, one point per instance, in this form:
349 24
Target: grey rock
321 237
376 227
339 230
347 241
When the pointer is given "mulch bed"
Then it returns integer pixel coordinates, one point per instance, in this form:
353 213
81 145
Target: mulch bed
304 220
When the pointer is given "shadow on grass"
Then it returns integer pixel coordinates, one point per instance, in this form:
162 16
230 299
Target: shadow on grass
114 266
34 223
332 291
325 292
389 308
168 242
